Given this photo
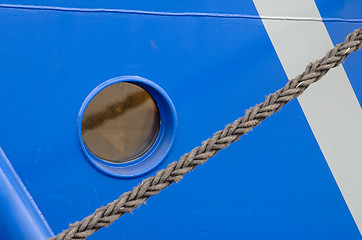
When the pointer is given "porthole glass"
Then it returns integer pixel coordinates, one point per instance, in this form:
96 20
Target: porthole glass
120 123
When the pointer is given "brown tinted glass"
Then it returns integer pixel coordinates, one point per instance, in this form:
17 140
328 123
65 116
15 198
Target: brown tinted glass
120 123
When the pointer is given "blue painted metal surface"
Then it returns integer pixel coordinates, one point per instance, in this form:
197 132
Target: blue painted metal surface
212 69
19 216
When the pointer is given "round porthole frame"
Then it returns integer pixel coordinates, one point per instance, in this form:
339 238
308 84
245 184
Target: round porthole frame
161 146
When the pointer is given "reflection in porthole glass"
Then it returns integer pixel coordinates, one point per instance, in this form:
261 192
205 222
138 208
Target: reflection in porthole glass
120 123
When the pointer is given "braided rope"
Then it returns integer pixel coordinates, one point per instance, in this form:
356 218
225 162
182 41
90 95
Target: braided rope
174 172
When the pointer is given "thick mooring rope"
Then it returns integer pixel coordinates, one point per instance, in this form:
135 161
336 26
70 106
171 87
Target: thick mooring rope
174 172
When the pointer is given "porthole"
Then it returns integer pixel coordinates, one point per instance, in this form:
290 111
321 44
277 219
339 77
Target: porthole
127 126
120 123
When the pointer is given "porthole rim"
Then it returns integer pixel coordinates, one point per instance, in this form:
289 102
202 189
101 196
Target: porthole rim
154 154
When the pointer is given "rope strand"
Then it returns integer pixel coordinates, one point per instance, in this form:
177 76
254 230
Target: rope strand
174 172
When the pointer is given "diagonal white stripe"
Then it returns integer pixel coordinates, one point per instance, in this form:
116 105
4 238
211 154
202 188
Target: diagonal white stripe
330 106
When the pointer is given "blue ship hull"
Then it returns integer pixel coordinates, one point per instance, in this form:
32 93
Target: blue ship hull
290 178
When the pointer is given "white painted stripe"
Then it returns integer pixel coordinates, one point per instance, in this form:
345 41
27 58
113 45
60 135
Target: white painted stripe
330 106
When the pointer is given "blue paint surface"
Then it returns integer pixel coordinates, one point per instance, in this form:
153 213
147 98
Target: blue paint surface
19 215
339 8
214 6
272 184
